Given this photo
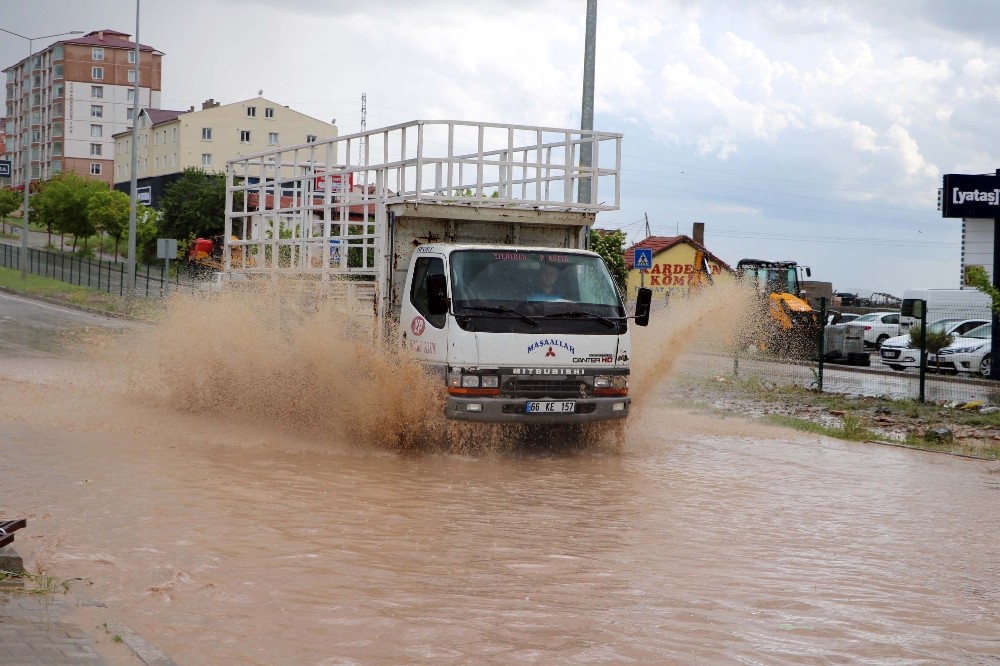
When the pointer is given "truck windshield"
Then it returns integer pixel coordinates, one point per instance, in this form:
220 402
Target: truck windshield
494 290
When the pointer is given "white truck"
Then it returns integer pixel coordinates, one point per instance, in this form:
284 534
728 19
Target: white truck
467 245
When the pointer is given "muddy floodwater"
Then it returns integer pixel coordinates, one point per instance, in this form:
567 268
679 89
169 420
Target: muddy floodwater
230 536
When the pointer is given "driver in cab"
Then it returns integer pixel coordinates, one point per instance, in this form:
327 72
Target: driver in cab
547 288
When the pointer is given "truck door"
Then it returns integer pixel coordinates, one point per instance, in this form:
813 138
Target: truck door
423 333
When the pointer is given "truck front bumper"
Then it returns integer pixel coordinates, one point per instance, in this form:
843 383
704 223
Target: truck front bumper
512 410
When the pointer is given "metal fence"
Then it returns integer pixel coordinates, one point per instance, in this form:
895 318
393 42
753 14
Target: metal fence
107 276
941 354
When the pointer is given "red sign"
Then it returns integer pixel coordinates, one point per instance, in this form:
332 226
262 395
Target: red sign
418 325
339 182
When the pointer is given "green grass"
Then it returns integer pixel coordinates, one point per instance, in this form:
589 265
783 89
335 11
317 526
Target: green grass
853 428
39 583
77 295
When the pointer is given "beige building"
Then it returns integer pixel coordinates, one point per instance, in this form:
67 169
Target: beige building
171 141
66 104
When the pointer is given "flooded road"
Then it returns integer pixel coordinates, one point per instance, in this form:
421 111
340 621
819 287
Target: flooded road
228 540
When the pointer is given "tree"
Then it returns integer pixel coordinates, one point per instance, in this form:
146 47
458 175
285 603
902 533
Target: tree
108 212
611 246
935 340
976 276
194 205
10 200
63 204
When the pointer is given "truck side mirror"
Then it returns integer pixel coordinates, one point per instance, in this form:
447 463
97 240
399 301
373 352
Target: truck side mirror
437 294
642 303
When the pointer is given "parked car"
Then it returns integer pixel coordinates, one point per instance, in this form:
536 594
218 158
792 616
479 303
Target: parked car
835 317
899 355
879 327
968 353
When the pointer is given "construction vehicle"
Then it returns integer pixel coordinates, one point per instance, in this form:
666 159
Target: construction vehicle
205 254
791 325
448 229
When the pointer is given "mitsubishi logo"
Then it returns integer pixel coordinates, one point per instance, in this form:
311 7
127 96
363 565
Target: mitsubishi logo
550 352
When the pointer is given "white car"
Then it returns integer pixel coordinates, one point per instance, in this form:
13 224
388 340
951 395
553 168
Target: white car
879 327
899 355
968 353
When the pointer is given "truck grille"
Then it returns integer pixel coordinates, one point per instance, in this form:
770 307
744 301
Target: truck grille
544 387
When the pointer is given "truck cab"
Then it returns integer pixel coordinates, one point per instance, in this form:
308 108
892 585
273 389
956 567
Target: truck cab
523 334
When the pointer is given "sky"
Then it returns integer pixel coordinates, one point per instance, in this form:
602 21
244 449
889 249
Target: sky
793 129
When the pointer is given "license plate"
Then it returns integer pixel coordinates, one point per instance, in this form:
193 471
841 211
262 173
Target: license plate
550 407
889 354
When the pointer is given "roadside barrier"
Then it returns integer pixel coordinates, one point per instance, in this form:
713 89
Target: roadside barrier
106 276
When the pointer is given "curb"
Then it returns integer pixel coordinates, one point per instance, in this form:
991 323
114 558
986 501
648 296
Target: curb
73 306
145 651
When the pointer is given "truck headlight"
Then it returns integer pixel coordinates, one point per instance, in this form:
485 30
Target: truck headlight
611 385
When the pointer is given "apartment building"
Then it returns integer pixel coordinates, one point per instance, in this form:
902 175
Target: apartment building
171 141
66 103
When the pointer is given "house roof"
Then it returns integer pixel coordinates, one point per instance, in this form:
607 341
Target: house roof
108 38
659 244
157 116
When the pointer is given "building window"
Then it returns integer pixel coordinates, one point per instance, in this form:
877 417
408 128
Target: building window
56 166
131 76
206 133
58 91
310 138
57 52
157 162
156 138
97 73
244 136
131 57
57 72
130 95
269 112
206 159
96 111
128 114
272 138
95 149
96 130
173 135
251 112
97 92
95 168
97 53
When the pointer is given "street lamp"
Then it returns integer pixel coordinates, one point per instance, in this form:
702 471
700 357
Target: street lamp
27 148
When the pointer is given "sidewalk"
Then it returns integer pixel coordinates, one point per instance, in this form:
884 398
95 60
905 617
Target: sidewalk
43 630
32 632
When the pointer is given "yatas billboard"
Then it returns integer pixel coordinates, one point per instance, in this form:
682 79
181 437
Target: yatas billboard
970 196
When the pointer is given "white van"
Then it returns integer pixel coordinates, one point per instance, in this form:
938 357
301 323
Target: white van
944 304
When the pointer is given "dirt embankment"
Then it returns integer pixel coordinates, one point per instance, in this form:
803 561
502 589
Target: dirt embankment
955 427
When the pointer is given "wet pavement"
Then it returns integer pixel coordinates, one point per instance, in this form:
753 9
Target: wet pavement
230 535
33 631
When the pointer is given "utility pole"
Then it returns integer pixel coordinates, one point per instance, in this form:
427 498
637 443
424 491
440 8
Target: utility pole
130 287
363 145
584 190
